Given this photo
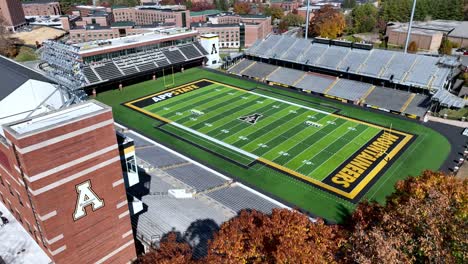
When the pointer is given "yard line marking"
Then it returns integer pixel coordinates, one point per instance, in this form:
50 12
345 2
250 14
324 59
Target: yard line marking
215 140
290 103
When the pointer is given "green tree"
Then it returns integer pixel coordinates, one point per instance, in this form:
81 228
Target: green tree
400 10
293 20
349 3
364 18
446 47
274 12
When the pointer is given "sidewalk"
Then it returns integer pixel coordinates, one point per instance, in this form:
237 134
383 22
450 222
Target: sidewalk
448 121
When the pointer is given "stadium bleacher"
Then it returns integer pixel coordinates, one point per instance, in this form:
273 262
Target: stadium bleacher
259 70
414 70
196 177
141 61
237 198
386 99
315 83
286 76
349 90
296 49
239 67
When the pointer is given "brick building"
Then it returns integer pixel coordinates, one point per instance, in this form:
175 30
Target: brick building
148 15
41 8
12 13
236 31
61 172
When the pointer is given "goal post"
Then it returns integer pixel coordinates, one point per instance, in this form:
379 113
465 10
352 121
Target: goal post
171 81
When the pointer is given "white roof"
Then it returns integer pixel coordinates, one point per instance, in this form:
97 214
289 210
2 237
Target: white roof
159 34
52 119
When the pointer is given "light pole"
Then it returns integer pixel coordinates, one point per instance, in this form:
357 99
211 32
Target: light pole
408 35
307 20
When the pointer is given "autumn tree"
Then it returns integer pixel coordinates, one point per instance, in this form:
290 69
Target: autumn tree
172 250
241 8
327 22
7 42
274 12
283 237
424 221
200 6
412 47
293 19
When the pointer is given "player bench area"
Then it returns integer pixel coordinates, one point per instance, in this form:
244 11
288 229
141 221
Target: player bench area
337 154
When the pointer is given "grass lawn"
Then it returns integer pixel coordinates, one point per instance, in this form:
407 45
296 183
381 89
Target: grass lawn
310 151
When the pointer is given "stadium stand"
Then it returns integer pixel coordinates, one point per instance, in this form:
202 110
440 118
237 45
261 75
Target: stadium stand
446 99
281 47
237 198
286 76
259 70
419 105
157 157
196 177
388 99
296 49
349 90
332 57
417 71
385 99
108 71
353 61
80 74
241 66
315 83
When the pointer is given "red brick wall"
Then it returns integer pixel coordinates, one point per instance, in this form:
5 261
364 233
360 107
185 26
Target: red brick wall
99 233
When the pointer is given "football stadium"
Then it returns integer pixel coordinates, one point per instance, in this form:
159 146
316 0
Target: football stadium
310 152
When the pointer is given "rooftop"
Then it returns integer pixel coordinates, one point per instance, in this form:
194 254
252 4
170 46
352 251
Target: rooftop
452 27
205 12
54 119
13 75
160 34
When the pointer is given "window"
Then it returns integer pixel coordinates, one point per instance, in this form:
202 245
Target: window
9 188
19 199
1 180
131 166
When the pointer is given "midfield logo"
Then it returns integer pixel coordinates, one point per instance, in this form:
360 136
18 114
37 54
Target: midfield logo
251 119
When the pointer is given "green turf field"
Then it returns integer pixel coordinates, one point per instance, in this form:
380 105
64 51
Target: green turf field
290 145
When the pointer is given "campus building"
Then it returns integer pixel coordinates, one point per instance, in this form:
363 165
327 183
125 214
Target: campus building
428 35
236 31
12 13
151 14
42 8
61 170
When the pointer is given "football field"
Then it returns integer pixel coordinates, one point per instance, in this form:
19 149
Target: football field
335 153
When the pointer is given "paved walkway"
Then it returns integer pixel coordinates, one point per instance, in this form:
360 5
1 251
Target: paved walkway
448 121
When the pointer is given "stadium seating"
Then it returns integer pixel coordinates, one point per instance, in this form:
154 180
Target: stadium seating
286 76
350 90
419 105
197 178
332 57
142 61
407 69
108 71
90 75
190 52
315 83
236 198
376 62
447 99
387 98
259 70
296 49
239 67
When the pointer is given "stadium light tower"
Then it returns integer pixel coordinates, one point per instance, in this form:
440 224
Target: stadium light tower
408 35
307 19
